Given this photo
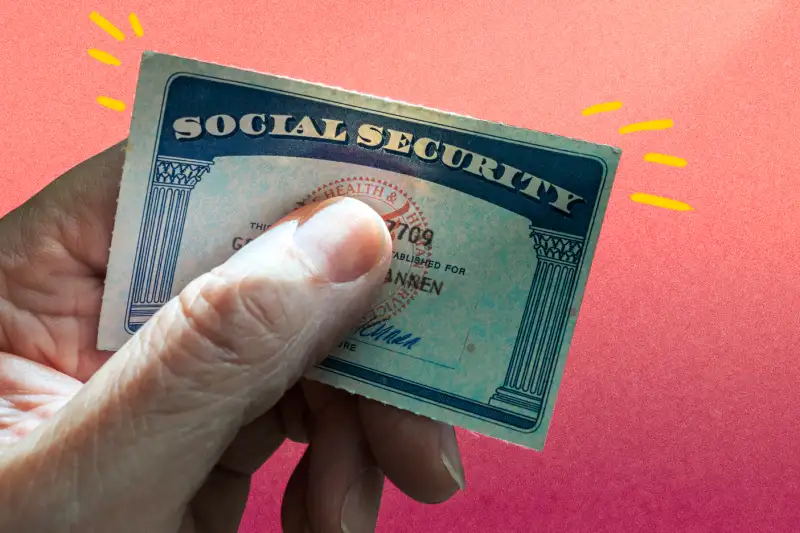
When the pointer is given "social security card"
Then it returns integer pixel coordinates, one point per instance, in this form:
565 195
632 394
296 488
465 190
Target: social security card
494 230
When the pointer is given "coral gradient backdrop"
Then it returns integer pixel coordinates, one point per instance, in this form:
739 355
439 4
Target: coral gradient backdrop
680 405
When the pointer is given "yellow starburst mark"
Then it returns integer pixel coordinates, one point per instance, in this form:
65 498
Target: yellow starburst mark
651 157
109 59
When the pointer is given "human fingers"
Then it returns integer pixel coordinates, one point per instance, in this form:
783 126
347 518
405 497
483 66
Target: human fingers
168 404
294 516
294 414
218 505
344 485
419 455
76 210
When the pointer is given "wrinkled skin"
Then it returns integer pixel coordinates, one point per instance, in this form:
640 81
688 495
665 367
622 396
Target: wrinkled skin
164 435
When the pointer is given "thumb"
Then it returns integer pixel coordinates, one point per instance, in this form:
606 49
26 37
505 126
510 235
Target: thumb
160 413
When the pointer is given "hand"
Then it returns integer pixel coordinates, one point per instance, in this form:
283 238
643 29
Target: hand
163 435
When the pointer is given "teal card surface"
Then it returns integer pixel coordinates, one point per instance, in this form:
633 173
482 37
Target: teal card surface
494 230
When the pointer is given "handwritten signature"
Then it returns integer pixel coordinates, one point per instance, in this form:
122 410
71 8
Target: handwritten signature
383 331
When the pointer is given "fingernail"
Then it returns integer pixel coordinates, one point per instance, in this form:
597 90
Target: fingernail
451 457
362 502
342 237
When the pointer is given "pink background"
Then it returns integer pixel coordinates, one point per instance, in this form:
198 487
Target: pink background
679 407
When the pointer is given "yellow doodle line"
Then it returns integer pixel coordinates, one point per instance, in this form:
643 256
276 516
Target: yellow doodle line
104 57
601 108
660 201
111 103
136 25
664 159
106 25
664 124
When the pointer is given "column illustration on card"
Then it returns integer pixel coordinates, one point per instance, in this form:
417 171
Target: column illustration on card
171 182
